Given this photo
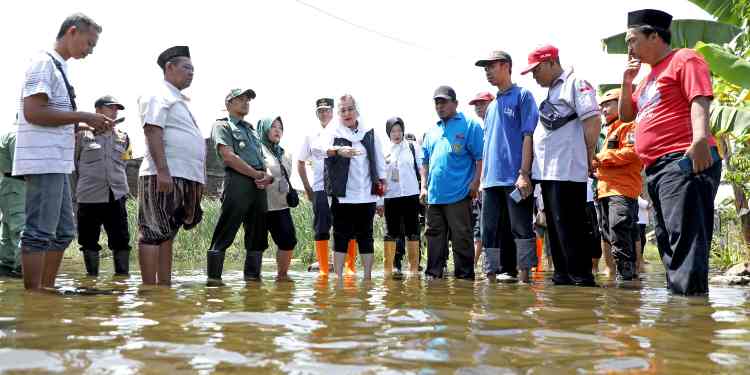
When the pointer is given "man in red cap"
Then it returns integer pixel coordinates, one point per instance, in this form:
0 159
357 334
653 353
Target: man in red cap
480 103
670 107
563 151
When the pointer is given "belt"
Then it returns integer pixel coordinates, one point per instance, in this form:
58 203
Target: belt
6 174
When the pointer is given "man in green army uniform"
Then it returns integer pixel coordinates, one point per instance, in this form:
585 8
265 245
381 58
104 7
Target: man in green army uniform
244 198
12 209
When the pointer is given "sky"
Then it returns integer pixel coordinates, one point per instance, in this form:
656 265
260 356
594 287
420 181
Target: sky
390 55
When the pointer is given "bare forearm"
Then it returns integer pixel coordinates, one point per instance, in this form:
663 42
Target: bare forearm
423 174
592 126
527 153
477 172
302 171
625 107
155 143
699 114
45 116
235 162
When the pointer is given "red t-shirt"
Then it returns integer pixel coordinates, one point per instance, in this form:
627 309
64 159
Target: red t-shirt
662 101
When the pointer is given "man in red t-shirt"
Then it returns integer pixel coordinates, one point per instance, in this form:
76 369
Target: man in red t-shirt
671 110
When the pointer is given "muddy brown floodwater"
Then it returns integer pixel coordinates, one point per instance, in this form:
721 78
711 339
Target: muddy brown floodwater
408 326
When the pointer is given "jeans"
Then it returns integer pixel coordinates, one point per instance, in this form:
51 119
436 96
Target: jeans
50 225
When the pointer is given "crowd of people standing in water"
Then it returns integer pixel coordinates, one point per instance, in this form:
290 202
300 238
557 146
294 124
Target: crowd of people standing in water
481 188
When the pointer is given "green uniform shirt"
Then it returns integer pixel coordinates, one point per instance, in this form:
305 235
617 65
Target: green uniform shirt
7 148
241 137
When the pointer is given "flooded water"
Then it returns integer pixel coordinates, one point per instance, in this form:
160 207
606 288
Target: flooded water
409 326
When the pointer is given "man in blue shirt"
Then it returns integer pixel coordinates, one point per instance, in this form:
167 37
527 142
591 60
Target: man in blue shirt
450 179
507 201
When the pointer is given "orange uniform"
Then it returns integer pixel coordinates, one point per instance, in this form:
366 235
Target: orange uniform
619 168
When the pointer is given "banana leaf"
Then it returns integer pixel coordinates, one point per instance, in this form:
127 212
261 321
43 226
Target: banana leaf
724 64
685 34
726 120
604 87
723 10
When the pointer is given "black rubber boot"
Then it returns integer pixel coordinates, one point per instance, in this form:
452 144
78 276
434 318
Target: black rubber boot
253 262
91 261
121 259
214 267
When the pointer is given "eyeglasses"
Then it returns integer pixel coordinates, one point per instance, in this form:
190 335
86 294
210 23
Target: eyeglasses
347 109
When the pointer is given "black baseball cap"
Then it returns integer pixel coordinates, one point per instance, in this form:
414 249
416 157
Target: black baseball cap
445 92
108 100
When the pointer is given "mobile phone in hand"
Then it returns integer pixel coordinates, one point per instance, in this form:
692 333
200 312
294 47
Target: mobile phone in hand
686 164
516 195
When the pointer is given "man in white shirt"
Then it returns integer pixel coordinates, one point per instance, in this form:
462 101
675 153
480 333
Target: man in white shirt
172 175
45 143
563 150
316 192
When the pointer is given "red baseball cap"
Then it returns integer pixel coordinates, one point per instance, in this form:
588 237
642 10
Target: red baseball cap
482 97
541 54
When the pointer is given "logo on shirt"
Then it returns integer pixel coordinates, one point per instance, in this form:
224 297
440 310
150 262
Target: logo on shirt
649 98
585 87
460 136
508 111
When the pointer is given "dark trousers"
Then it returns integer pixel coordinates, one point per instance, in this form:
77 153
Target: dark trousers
593 236
619 218
321 216
565 208
507 231
456 218
684 213
242 203
402 217
352 221
113 216
642 235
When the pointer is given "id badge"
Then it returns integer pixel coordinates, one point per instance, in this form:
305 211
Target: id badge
456 148
394 174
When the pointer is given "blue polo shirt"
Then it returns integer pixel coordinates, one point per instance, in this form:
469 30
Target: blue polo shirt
509 118
450 152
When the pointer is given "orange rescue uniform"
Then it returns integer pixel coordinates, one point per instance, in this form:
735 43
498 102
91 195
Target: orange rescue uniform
619 168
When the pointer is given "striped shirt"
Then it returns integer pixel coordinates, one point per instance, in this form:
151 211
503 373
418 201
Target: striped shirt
44 149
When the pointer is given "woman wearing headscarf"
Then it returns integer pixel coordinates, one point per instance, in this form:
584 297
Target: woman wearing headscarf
402 197
354 179
278 218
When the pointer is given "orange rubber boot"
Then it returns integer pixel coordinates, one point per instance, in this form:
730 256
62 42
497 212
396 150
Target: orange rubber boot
321 251
351 258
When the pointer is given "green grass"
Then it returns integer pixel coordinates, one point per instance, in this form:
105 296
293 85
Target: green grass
190 246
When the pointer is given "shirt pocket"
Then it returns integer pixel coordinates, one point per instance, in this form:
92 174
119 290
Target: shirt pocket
458 144
118 150
241 142
90 153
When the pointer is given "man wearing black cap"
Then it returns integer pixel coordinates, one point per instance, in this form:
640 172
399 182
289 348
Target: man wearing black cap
44 150
101 192
172 175
683 167
243 201
450 180
507 220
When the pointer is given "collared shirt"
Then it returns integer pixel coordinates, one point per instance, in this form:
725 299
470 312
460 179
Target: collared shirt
276 192
317 159
184 147
400 173
510 117
7 147
102 169
44 149
561 154
241 137
619 171
450 152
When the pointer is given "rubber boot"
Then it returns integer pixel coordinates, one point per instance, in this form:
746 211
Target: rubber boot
253 262
351 258
214 267
321 251
367 261
121 259
338 264
389 253
412 251
91 261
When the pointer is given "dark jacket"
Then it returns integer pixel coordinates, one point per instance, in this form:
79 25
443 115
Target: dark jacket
336 168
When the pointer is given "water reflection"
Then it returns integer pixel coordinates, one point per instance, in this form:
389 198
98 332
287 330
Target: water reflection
384 326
